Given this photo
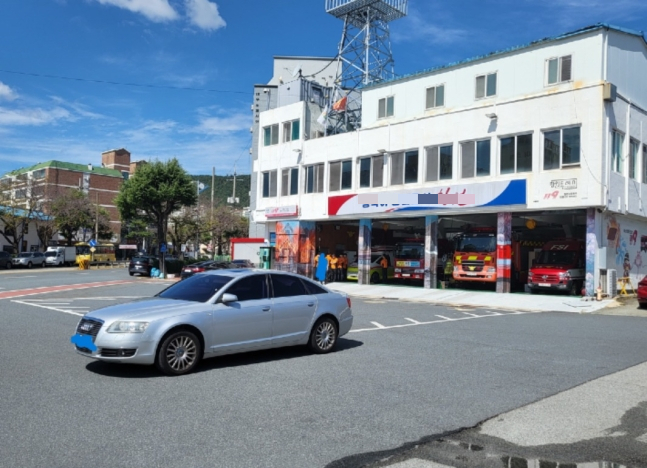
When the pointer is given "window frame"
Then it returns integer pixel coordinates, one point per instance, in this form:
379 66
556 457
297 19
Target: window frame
379 158
289 189
269 184
561 146
515 137
385 100
486 77
560 70
289 135
476 158
439 164
634 148
339 183
318 176
273 135
644 164
435 89
38 174
617 160
297 280
265 292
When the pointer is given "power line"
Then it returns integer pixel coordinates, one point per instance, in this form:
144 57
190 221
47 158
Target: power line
138 85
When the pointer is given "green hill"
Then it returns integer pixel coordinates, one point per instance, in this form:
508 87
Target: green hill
224 187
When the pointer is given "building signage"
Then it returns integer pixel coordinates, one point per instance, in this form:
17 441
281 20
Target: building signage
500 193
561 189
282 211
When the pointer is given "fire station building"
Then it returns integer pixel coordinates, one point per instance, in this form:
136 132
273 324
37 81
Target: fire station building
543 141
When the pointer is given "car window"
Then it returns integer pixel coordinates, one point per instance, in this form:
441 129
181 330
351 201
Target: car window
249 288
287 286
198 288
312 288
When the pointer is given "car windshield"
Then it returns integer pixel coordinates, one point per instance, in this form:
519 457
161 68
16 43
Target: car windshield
556 257
409 251
51 253
24 255
476 243
198 288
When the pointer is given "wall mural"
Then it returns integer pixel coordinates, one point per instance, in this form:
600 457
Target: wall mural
591 249
624 250
295 246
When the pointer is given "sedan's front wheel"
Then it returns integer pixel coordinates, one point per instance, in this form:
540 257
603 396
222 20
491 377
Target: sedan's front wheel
29 265
323 336
179 353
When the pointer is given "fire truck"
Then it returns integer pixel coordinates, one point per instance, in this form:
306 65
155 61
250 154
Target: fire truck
559 267
476 254
410 260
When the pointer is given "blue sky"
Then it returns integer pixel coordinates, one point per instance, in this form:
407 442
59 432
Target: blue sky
222 48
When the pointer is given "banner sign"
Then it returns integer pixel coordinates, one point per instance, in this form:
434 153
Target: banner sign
282 211
499 193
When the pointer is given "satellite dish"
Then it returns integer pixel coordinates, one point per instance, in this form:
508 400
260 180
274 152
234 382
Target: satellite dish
297 71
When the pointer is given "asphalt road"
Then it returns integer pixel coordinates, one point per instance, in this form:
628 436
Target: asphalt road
406 372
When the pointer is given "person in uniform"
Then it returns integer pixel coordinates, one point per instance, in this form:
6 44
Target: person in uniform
333 267
384 263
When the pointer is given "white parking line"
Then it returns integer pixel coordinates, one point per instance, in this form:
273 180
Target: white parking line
473 315
412 321
378 325
50 308
491 312
445 320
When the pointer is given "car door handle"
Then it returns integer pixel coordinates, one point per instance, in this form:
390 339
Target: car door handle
265 309
310 304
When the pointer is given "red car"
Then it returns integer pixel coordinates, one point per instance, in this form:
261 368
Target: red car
642 293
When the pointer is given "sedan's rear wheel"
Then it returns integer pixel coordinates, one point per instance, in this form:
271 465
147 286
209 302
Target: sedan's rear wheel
29 265
323 336
9 265
179 353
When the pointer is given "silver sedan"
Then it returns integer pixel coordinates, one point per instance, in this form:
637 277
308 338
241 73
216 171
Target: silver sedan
216 313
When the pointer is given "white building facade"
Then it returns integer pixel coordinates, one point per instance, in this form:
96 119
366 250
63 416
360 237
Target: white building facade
554 131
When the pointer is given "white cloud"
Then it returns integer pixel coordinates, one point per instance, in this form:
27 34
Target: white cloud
36 116
204 14
6 92
223 125
154 10
425 27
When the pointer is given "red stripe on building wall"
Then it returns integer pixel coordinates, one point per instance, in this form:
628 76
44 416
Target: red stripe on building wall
335 203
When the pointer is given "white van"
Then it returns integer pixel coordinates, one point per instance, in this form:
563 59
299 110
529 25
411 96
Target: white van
59 256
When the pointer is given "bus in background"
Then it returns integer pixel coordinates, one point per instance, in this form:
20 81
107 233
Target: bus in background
103 253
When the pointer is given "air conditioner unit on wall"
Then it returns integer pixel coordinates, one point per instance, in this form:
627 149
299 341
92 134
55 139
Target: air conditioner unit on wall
612 283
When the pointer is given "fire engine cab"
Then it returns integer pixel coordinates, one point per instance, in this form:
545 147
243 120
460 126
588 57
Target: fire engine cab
558 267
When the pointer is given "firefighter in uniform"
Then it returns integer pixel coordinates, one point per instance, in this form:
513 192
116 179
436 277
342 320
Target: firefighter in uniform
384 263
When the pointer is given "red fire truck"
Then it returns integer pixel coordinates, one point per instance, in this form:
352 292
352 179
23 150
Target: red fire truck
410 260
559 267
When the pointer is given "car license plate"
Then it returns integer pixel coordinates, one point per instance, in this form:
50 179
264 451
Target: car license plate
544 285
406 275
471 274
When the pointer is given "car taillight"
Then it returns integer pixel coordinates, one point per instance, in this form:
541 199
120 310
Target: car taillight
197 270
348 301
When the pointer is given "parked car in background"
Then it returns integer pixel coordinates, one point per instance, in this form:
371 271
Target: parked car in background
5 260
216 313
29 259
142 265
243 263
642 293
191 270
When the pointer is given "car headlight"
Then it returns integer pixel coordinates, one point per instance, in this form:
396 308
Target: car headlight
491 270
128 327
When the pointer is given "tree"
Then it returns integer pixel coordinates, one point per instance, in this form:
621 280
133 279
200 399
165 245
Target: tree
155 191
75 216
227 223
184 227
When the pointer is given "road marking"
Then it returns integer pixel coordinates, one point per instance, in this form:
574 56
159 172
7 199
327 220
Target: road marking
62 288
446 318
50 308
412 321
492 312
473 315
21 277
378 325
405 325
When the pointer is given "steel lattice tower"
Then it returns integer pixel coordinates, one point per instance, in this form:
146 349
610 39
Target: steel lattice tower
364 55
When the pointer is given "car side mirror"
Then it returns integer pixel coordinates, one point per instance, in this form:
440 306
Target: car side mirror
227 298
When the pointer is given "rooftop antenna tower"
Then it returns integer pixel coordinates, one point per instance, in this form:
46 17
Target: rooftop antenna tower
364 56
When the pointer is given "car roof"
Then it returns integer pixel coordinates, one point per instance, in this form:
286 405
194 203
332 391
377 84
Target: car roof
237 272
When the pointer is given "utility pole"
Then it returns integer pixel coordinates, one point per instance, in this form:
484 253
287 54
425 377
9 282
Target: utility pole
213 184
197 219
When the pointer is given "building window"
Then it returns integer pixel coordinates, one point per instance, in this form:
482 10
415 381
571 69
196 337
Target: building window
125 175
385 107
371 171
562 148
290 181
558 69
404 168
39 174
475 159
291 131
271 135
634 146
315 178
516 154
485 85
341 175
439 163
20 194
617 142
269 184
435 97
644 179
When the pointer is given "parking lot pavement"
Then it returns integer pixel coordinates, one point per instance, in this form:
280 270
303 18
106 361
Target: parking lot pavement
627 306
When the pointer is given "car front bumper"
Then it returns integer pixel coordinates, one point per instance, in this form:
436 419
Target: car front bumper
111 346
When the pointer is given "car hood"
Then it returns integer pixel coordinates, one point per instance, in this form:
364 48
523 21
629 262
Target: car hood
148 309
